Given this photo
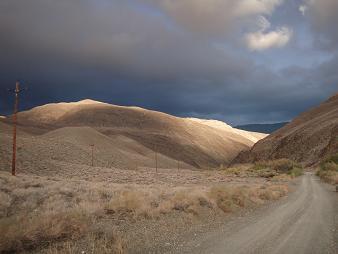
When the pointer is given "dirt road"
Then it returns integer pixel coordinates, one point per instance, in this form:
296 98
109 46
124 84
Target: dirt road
305 222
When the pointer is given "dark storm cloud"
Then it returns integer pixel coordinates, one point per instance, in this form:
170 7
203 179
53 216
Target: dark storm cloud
324 19
126 53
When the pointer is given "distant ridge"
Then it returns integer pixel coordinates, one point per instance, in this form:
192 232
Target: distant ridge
253 136
267 128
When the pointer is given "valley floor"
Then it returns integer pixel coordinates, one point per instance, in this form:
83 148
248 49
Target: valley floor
106 210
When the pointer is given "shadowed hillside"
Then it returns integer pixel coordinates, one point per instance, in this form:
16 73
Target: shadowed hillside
308 138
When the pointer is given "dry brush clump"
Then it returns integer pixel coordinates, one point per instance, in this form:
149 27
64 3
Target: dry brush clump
136 204
39 214
152 203
230 198
328 169
93 243
240 170
274 168
71 231
26 232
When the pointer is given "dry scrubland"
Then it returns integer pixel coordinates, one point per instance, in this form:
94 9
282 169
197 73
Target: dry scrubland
276 169
59 203
328 169
68 214
124 137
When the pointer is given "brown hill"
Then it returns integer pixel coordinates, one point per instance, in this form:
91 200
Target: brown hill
127 132
71 146
308 138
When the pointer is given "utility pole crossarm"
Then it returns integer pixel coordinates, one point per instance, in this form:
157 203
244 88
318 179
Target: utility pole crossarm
16 91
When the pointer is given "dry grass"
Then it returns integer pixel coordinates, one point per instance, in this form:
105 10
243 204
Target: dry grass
37 213
328 170
27 232
280 165
329 176
54 215
148 204
228 199
276 169
104 243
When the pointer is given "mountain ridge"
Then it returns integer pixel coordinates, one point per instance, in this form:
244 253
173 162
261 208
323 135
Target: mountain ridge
267 128
308 138
193 142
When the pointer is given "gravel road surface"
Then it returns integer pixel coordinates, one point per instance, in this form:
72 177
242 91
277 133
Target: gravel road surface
304 222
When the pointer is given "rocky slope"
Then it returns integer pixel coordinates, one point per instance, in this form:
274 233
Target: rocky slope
308 138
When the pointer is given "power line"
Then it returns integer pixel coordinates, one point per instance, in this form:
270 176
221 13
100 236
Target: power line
156 159
92 146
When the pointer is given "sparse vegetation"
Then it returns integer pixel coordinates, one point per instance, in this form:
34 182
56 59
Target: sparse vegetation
295 172
280 166
277 167
226 198
328 169
54 216
51 216
96 243
29 231
267 169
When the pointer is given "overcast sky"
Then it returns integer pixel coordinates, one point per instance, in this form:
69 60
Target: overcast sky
240 61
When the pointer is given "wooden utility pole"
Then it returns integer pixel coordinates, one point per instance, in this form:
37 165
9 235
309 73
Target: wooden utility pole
92 146
16 91
156 158
178 165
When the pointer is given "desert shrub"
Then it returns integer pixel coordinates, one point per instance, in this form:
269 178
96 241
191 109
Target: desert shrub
328 176
95 243
23 232
329 166
188 201
272 192
328 169
267 173
241 170
140 204
275 167
332 158
283 165
130 203
232 171
229 198
330 163
295 172
260 165
222 196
